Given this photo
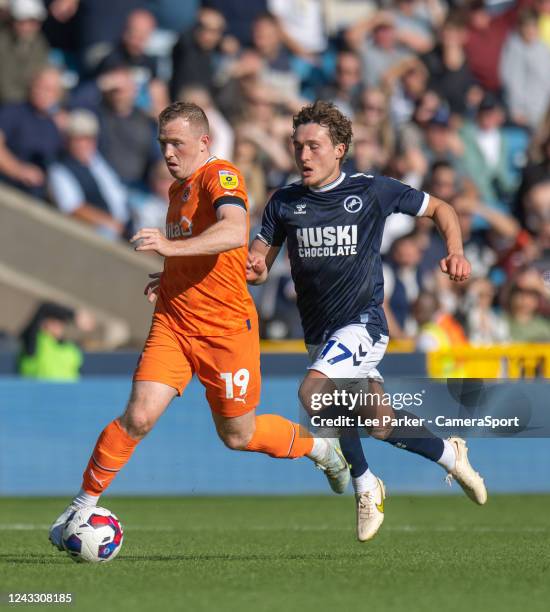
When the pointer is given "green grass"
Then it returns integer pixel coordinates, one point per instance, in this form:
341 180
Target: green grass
292 554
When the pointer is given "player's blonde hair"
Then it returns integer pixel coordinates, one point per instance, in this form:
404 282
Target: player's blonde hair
189 112
327 115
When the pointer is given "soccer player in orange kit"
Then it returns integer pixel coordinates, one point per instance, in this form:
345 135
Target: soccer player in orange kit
204 321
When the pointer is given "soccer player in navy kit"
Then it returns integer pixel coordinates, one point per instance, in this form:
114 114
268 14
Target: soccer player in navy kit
333 225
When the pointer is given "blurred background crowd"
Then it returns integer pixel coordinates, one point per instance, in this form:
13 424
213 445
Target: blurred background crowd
449 96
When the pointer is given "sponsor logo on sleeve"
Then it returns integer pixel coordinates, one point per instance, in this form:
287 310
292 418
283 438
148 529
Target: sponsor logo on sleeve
228 179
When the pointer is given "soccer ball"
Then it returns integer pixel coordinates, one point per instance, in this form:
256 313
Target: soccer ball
92 535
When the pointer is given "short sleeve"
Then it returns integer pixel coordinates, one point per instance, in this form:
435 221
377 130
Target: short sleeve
394 196
226 187
273 231
66 192
8 120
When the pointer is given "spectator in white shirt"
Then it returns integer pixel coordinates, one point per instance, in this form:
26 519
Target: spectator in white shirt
83 185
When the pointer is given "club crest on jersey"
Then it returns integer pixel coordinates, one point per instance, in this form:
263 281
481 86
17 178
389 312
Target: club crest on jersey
228 179
186 193
353 204
183 229
300 208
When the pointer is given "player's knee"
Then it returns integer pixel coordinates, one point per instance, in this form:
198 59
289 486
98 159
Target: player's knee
305 395
380 433
314 387
236 440
137 424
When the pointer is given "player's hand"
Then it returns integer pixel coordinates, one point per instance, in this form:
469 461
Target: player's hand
255 267
152 239
456 266
152 288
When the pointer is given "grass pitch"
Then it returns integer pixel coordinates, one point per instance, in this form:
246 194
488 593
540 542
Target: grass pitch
292 554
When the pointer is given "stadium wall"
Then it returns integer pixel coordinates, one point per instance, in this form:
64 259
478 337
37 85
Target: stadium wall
47 431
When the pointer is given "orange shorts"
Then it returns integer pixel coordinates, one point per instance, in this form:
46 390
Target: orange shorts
227 366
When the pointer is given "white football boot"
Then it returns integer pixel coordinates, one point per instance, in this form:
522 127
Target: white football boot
471 482
370 511
56 530
335 467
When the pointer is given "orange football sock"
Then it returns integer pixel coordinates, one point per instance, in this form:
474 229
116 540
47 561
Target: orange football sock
112 451
279 437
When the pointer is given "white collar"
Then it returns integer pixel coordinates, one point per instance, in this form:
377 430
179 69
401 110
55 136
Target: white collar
211 158
330 185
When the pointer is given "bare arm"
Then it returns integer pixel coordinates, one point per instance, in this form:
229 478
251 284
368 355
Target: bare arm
159 97
28 174
445 218
500 222
395 330
364 27
94 216
419 43
228 233
260 259
293 45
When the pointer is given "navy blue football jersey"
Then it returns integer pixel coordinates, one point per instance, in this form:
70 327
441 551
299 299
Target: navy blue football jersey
333 238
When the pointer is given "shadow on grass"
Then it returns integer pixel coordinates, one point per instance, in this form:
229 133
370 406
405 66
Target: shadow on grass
247 558
25 559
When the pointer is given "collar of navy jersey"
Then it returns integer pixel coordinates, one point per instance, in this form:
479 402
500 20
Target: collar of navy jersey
330 185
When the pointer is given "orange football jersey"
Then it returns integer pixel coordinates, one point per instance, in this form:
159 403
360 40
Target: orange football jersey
205 295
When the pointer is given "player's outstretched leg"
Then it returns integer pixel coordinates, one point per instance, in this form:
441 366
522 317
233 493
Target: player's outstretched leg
278 437
369 490
114 448
451 454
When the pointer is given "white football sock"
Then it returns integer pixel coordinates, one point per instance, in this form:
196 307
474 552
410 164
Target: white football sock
448 458
84 499
319 450
365 482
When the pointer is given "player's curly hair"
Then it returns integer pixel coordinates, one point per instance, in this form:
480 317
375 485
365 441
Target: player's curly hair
188 111
326 114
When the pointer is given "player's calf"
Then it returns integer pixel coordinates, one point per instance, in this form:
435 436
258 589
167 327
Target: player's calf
235 432
235 441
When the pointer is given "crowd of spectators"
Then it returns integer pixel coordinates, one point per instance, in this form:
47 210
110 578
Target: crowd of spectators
449 96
